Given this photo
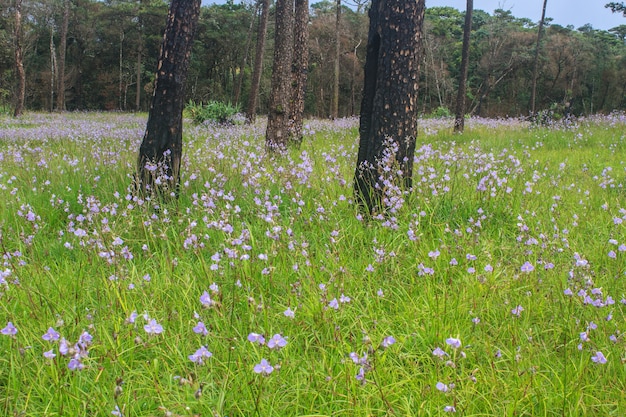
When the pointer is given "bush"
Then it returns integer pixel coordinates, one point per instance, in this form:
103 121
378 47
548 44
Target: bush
441 112
213 111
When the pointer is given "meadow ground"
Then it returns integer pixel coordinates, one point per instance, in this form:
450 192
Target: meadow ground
495 288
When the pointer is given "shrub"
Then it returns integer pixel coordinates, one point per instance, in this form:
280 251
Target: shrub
213 111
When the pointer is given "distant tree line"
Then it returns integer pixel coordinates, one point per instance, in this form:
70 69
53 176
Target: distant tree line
101 55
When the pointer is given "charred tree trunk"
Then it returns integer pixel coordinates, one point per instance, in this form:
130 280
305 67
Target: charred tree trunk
459 120
62 52
388 125
533 93
158 165
19 61
299 69
278 130
258 61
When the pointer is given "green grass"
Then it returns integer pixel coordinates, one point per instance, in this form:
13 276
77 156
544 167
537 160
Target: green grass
81 254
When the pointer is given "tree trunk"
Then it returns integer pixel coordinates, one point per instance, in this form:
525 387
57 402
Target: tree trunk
159 161
335 109
299 68
53 67
139 63
258 62
388 125
19 61
277 136
245 57
533 93
62 50
459 120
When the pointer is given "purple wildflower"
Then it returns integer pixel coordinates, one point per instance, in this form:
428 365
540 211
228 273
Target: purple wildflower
277 342
75 364
334 304
200 328
598 358
263 367
442 387
200 355
387 341
9 330
453 342
205 299
256 338
440 353
49 354
153 327
517 311
51 335
527 267
289 313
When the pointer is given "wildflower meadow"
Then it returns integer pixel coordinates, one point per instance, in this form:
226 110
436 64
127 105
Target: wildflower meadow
495 287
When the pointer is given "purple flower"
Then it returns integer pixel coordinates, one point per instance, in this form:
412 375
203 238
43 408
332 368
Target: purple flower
440 353
9 330
360 376
85 338
277 342
116 412
153 327
49 354
51 335
131 319
263 367
200 328
387 341
598 358
256 338
453 342
449 409
334 304
75 365
568 292
442 387
517 311
64 347
200 355
205 299
289 313
344 299
527 267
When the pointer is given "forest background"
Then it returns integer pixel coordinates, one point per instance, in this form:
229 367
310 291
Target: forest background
112 47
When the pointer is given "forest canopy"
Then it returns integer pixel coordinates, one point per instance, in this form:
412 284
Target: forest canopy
112 46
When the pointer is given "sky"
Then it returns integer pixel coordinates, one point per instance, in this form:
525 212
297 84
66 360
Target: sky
564 12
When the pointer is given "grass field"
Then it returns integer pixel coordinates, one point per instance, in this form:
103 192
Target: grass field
495 288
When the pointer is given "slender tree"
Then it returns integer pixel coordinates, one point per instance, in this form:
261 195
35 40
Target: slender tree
533 92
299 69
335 109
388 124
258 61
19 61
459 120
62 53
278 130
158 167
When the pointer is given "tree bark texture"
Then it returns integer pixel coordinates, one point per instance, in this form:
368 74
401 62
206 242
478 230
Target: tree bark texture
160 153
299 68
19 61
459 120
533 93
258 61
335 109
62 53
388 124
278 129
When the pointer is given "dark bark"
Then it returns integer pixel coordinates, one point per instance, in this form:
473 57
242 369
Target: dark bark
62 53
533 92
388 125
459 120
19 61
335 110
299 69
258 61
158 166
278 130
